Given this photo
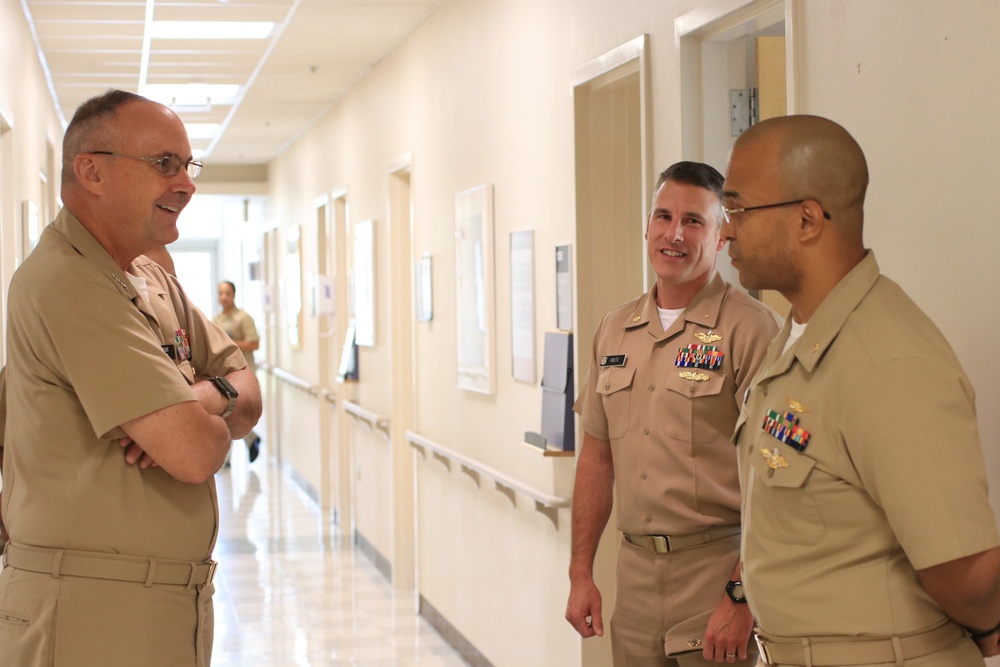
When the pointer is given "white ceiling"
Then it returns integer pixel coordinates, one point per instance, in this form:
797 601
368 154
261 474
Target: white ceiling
316 51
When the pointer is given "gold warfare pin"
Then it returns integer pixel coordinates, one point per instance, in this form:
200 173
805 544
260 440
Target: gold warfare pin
708 338
795 406
695 377
774 458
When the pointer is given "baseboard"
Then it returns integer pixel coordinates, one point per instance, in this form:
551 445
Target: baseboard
380 562
451 635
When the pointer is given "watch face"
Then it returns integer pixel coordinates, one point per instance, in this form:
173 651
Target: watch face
225 387
735 590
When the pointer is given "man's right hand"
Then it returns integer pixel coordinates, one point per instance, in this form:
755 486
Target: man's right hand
583 611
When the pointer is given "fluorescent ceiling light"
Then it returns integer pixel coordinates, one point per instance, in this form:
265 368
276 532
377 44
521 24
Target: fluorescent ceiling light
201 130
190 94
211 29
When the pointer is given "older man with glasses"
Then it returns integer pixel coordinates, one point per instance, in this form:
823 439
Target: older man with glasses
109 560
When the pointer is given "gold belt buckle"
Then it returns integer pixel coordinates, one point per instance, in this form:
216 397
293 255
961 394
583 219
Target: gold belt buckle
660 543
212 565
762 648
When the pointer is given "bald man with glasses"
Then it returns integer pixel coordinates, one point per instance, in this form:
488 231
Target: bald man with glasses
109 560
868 536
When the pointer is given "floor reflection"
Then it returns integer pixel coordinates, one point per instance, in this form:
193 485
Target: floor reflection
289 593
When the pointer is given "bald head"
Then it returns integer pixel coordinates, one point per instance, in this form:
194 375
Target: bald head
815 158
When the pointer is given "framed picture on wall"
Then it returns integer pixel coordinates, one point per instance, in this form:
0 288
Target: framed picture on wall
364 283
30 228
522 305
424 293
474 289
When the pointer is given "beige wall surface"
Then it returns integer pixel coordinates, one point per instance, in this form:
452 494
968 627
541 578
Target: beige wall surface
481 93
27 107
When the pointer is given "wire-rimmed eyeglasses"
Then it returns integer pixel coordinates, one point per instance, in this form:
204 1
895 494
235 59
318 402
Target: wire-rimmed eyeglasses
168 165
729 212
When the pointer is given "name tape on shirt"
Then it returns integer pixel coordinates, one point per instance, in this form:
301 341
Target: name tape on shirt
613 360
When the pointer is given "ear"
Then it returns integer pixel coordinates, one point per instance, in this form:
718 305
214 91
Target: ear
88 173
813 221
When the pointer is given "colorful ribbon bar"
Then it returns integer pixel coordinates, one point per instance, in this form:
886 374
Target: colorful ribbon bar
700 356
785 427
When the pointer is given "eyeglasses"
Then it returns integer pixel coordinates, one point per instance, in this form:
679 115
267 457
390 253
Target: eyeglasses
728 213
168 165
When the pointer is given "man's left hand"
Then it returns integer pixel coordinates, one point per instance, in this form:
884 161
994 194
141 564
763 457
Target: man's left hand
728 633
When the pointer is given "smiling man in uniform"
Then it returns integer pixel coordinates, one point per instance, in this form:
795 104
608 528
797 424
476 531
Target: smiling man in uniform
663 393
109 563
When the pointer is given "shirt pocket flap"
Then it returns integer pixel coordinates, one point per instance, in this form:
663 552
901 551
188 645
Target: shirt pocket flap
790 468
613 380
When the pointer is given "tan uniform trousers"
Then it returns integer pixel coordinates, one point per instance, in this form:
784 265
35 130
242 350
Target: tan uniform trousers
664 601
82 622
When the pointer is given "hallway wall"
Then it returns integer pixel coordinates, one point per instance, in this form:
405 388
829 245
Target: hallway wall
27 108
480 93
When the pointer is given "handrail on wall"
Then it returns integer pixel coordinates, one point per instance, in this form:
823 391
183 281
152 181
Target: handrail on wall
372 419
328 396
543 499
293 380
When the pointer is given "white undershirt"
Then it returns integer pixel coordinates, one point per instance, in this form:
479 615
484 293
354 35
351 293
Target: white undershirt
668 316
140 285
794 334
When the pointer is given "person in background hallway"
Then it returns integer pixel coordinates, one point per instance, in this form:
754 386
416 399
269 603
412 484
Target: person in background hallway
109 556
868 534
664 391
240 327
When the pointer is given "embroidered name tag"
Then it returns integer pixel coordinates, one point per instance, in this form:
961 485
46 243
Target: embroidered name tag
700 356
785 427
613 360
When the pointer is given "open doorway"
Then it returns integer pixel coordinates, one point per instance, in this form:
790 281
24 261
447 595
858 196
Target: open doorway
734 73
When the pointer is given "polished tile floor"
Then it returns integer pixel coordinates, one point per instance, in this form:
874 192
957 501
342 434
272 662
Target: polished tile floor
288 593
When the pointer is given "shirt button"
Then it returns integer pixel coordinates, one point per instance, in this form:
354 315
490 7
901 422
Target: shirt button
652 387
644 475
649 519
764 390
691 390
607 386
646 432
750 449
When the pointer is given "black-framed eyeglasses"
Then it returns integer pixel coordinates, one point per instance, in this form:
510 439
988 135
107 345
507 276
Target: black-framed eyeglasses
729 212
168 165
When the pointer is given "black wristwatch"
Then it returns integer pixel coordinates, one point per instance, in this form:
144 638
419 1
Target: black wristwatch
228 391
734 589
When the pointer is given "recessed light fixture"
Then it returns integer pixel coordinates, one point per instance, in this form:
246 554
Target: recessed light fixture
201 130
211 29
190 94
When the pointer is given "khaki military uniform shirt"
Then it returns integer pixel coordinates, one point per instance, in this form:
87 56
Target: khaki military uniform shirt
239 325
670 425
86 354
890 477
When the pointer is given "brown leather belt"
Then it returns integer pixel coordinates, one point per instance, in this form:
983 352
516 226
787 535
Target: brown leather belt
94 565
663 544
829 651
